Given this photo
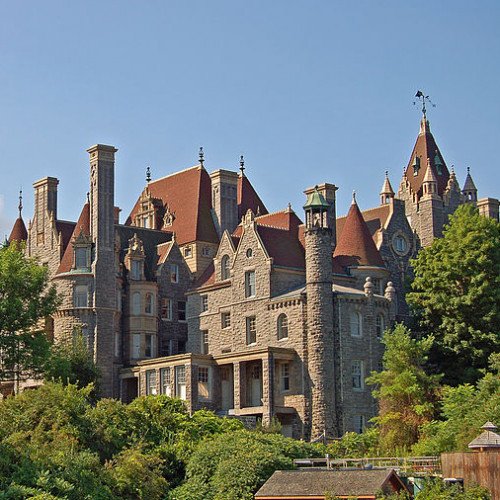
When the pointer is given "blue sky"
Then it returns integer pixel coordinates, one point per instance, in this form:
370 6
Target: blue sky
309 91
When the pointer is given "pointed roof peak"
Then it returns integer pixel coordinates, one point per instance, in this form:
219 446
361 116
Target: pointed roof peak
469 183
425 126
354 202
355 246
429 173
386 187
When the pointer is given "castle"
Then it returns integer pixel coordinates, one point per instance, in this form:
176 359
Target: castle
204 295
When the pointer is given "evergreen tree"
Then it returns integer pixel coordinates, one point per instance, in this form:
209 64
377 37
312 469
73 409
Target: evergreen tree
456 295
406 394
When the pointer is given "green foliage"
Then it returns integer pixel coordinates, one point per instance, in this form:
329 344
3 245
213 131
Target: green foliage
353 445
72 363
407 395
235 465
456 292
463 410
437 490
25 299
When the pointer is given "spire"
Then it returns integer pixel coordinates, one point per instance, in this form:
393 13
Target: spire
353 202
19 232
469 190
20 206
387 193
242 165
201 156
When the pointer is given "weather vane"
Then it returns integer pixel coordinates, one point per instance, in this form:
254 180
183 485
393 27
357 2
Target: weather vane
242 165
423 99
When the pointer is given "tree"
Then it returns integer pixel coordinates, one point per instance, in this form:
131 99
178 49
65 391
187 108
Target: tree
71 363
407 395
25 300
456 294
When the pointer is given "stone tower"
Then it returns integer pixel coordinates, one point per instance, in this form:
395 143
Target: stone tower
431 209
320 338
102 165
224 200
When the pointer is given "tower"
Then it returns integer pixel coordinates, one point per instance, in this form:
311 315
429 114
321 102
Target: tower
386 193
430 209
469 190
320 341
102 165
224 200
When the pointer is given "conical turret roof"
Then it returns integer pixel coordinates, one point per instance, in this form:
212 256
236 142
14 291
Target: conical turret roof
355 246
386 186
426 148
19 232
469 183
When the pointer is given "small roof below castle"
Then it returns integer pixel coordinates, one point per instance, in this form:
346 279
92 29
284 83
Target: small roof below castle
355 246
429 173
18 232
487 439
469 183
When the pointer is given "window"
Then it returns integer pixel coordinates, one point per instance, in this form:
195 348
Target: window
224 268
204 341
188 252
174 273
357 375
204 383
136 269
251 330
250 284
355 324
225 319
204 303
136 303
181 347
282 327
285 377
400 244
136 345
181 310
148 307
81 258
180 381
166 309
148 346
145 221
81 296
358 423
117 344
165 382
151 383
380 325
205 252
249 253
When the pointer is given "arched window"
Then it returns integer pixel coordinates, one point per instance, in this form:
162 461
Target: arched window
224 268
282 326
81 296
355 324
148 307
380 324
136 303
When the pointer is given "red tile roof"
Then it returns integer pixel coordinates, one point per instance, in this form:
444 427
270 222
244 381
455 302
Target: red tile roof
248 198
18 232
426 147
65 228
280 234
375 219
207 277
82 226
188 195
355 246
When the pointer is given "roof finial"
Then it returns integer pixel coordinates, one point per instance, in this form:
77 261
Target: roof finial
148 174
88 197
353 197
201 156
423 98
20 206
242 165
468 170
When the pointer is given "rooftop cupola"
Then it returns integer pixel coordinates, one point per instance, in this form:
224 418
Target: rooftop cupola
469 190
430 182
316 209
387 193
19 232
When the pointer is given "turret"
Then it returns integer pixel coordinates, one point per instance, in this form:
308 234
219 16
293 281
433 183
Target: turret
319 281
386 193
469 190
19 232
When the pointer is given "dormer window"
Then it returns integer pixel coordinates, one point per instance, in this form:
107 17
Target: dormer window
438 164
81 258
416 165
136 270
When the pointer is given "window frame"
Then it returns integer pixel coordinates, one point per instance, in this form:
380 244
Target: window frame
250 284
357 376
167 309
181 311
135 269
359 322
225 319
174 273
81 292
285 377
225 270
151 389
282 327
251 330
